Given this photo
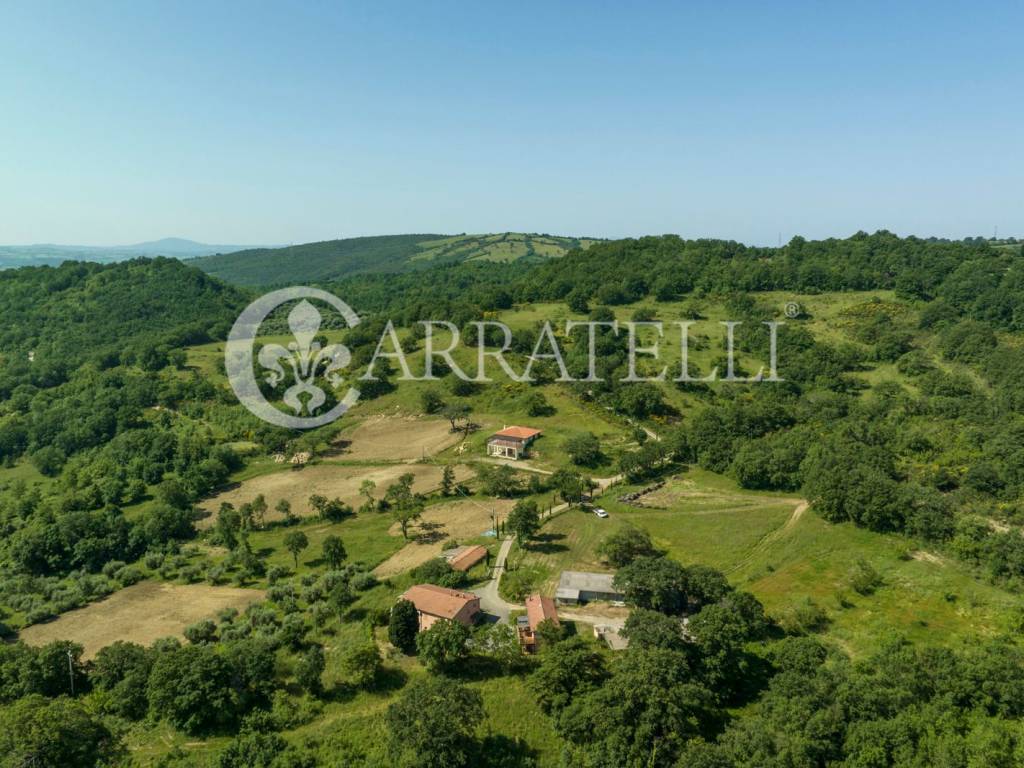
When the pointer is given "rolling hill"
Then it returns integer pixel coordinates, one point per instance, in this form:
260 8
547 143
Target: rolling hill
335 259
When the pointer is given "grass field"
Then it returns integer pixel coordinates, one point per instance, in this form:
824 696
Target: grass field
784 559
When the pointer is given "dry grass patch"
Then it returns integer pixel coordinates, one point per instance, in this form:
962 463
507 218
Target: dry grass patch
458 520
332 481
396 438
140 614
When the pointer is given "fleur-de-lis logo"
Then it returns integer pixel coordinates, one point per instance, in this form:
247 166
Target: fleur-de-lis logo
306 359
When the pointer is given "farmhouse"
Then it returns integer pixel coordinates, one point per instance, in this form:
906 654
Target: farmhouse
581 587
464 558
433 603
512 442
538 609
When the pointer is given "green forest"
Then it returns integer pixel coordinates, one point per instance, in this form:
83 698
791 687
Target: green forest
900 420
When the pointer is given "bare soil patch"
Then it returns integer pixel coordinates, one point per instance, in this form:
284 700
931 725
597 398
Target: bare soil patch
396 438
332 481
927 557
458 520
140 614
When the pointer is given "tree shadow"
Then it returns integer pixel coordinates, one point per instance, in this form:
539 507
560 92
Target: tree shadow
339 693
475 667
430 533
389 679
547 543
499 751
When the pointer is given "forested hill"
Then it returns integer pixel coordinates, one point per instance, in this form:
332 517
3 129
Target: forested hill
56 318
337 259
977 279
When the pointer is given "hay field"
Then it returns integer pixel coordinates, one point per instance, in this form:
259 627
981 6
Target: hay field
140 614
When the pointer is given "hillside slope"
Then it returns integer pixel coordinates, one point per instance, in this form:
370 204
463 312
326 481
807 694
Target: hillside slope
65 315
336 259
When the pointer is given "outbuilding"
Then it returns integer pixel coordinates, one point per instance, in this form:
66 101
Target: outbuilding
576 587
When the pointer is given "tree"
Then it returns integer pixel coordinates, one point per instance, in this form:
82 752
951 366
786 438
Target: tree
406 507
571 486
335 510
538 405
650 629
318 503
433 725
55 733
431 401
284 508
403 625
549 633
334 552
501 643
191 687
719 632
227 525
643 715
201 632
295 542
439 571
577 301
310 669
455 413
656 583
447 480
259 510
366 489
583 449
625 545
499 480
341 597
122 670
443 643
254 749
524 520
361 665
566 670
51 668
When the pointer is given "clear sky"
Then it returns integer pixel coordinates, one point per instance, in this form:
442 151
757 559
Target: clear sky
275 123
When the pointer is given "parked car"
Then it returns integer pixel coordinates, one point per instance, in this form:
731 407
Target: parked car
600 512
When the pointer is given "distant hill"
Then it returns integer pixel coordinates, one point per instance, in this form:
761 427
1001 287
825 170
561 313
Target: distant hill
48 253
335 259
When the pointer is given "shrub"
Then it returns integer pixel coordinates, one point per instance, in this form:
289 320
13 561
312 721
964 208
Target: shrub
803 618
363 581
863 578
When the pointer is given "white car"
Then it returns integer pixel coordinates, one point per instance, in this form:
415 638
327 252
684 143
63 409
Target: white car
600 512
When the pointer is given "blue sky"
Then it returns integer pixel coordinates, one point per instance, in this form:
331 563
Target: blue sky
264 123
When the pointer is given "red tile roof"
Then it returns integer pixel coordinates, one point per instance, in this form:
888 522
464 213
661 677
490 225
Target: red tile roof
438 601
469 557
518 433
538 609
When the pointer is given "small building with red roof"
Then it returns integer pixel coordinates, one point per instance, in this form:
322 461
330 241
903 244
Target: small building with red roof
512 442
538 609
464 558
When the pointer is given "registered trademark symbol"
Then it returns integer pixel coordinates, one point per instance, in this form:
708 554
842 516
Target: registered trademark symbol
793 309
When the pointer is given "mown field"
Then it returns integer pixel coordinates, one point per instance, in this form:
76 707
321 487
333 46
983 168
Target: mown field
785 559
